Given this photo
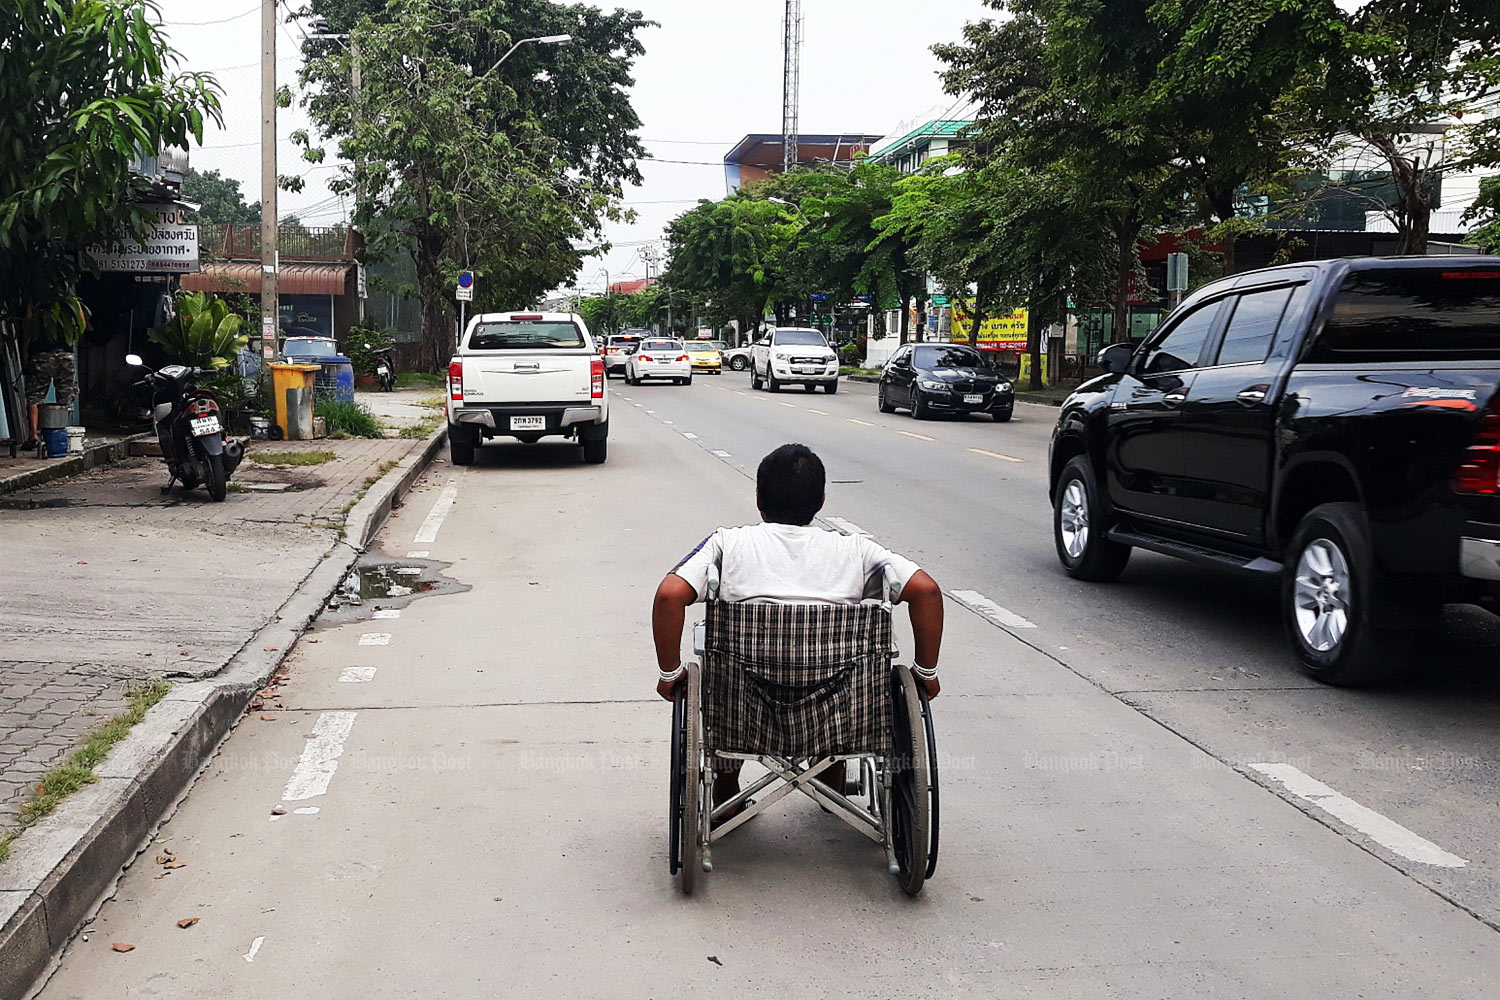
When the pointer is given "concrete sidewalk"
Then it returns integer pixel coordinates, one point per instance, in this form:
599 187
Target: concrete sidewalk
107 585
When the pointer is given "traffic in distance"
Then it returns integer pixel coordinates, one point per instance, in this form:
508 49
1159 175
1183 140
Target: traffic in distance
1333 425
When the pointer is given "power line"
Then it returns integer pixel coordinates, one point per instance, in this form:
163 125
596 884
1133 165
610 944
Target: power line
222 20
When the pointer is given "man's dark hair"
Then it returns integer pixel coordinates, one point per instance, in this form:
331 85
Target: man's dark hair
789 485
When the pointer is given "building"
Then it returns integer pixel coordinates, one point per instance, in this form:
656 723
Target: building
756 157
938 131
317 285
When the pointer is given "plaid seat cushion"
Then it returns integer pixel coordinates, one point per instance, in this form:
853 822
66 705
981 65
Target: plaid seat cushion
797 680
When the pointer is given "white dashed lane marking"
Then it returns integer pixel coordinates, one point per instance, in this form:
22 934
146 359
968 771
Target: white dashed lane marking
375 639
723 454
846 527
1383 830
991 610
419 554
320 757
862 423
249 956
919 437
689 436
995 454
821 413
434 523
385 613
357 675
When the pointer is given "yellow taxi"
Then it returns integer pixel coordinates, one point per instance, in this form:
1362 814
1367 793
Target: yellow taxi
705 357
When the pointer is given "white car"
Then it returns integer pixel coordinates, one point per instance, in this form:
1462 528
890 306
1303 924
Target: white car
738 358
658 358
794 357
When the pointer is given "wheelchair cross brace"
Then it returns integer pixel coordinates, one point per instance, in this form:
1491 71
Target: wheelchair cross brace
794 778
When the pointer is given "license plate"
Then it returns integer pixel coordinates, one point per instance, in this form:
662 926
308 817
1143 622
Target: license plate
807 371
205 425
382 370
528 423
973 399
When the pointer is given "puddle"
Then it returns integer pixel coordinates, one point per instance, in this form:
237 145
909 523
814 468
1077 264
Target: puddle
42 503
378 586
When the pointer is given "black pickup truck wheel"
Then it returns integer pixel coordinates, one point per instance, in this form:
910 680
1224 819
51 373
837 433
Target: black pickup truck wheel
1326 599
1078 527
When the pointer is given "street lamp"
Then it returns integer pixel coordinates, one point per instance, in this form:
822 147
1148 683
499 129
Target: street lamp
782 201
543 40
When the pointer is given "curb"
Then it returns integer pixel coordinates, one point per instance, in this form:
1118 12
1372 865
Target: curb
1029 397
61 869
61 468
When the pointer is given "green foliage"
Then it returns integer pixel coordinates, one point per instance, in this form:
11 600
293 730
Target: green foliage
508 170
89 85
1486 210
351 419
354 346
219 197
205 332
730 253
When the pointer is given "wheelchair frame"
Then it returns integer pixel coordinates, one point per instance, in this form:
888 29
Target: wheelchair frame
900 791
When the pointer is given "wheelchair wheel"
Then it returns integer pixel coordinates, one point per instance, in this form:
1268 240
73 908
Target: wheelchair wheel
910 818
685 802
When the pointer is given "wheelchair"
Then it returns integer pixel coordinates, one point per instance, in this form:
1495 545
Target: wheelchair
795 688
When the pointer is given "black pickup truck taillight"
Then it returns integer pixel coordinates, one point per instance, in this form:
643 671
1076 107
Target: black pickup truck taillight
456 381
1480 470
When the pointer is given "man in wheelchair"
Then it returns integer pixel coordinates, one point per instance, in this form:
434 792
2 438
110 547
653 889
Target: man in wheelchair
786 560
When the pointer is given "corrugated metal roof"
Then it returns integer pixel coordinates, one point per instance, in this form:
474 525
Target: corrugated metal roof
931 130
294 279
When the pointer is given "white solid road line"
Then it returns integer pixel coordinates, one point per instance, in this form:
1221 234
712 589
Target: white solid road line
357 675
919 437
434 523
845 527
995 454
249 956
320 757
994 612
1384 831
375 639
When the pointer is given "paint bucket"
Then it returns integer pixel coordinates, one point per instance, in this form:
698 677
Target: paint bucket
52 416
55 440
75 440
260 427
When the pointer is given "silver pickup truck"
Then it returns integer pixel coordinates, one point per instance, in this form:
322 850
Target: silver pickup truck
527 376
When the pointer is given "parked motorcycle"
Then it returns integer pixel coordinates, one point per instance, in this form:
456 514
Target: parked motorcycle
385 367
189 428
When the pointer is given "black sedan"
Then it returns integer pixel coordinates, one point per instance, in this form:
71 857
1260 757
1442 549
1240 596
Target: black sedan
929 379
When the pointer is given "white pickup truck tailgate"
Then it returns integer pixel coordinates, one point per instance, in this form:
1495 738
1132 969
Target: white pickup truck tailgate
496 377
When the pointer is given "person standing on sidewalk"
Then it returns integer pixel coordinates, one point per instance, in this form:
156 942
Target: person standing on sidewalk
49 362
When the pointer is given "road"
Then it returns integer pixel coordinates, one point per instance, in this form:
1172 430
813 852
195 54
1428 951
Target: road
467 797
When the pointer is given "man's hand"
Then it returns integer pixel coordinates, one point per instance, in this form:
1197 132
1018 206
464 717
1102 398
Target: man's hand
668 689
668 612
932 687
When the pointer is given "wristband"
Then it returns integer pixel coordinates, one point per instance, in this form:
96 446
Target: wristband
924 673
669 677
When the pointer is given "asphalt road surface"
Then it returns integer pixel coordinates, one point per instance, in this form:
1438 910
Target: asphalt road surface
1141 798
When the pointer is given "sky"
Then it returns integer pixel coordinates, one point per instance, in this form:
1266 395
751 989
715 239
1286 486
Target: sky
711 74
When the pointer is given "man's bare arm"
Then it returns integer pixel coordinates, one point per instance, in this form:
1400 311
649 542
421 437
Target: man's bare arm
668 612
925 598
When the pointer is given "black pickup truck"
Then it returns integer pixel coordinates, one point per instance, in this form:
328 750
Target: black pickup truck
1335 424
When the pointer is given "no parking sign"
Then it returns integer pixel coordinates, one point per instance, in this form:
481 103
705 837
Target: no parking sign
465 286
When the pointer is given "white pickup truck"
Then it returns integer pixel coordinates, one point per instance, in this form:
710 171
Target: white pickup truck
527 376
794 357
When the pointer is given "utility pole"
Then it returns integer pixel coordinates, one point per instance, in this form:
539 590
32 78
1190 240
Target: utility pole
791 100
269 255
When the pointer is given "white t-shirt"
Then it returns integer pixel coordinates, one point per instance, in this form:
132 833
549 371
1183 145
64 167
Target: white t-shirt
794 564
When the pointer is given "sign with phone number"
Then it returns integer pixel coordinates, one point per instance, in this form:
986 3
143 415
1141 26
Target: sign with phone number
996 333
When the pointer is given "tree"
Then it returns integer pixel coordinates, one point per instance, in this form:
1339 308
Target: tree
1486 210
463 163
90 86
731 253
219 199
1417 84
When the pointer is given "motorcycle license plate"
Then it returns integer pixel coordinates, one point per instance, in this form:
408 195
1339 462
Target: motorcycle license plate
382 370
528 423
973 399
205 425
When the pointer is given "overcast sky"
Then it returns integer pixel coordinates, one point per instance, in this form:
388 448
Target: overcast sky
711 74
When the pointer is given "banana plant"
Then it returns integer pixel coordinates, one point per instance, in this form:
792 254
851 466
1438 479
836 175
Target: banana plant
204 332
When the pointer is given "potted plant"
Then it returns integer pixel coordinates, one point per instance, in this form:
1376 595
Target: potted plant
360 345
